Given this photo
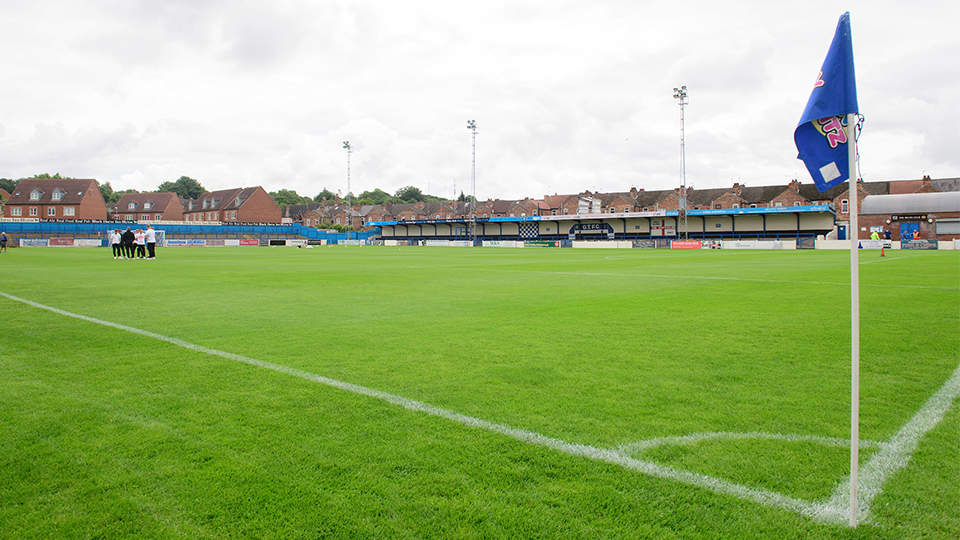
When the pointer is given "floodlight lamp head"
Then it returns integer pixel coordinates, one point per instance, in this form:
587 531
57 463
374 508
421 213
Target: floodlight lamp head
346 144
471 124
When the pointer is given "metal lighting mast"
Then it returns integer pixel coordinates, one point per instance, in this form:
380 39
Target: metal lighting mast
681 94
346 144
472 125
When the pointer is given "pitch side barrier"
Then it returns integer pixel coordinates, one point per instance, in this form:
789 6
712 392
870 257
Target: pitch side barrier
38 230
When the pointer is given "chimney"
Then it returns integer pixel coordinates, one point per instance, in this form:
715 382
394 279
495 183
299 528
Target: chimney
736 188
925 181
633 192
795 185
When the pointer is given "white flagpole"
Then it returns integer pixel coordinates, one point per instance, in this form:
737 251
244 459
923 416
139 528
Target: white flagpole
854 318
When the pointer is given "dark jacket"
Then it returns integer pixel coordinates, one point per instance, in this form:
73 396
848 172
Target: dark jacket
128 237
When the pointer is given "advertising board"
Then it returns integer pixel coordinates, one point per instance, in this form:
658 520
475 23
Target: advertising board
919 244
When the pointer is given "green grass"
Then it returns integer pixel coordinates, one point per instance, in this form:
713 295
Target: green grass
110 434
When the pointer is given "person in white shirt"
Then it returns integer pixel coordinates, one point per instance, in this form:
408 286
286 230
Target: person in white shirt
116 243
151 238
141 245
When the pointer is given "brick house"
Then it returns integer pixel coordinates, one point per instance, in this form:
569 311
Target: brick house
670 200
615 203
241 205
56 198
525 208
484 210
406 212
554 204
148 207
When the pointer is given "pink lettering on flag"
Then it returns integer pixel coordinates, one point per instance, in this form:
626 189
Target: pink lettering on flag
833 130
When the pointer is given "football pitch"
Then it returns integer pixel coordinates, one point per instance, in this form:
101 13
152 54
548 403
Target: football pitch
417 392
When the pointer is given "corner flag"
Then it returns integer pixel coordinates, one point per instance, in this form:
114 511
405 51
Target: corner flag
826 139
822 134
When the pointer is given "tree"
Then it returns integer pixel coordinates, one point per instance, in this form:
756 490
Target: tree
185 188
377 196
106 190
286 197
8 185
409 194
46 176
110 196
325 194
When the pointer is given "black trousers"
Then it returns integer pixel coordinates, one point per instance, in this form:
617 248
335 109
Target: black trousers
128 249
150 248
141 251
117 250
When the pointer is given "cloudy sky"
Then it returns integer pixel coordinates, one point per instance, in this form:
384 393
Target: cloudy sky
567 94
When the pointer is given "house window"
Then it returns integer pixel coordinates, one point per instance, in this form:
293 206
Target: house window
128 217
145 217
147 206
625 209
553 212
51 211
16 211
34 195
797 203
56 194
69 211
157 217
566 211
717 206
338 222
33 210
753 206
736 205
131 206
778 204
844 206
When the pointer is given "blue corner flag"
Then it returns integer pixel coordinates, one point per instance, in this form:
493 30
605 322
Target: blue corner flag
821 136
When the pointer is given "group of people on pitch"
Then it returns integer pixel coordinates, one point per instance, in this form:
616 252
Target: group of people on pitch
134 245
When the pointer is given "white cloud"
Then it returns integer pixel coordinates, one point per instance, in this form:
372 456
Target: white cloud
569 95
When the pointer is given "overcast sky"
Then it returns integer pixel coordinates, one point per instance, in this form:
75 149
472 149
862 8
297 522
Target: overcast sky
567 94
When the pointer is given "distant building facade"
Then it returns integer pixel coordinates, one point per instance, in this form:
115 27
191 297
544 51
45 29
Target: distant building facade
56 198
148 207
240 205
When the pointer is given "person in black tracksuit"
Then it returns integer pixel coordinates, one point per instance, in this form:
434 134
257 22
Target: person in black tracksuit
128 238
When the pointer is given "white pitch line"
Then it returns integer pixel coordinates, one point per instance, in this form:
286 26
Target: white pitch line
905 442
894 454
